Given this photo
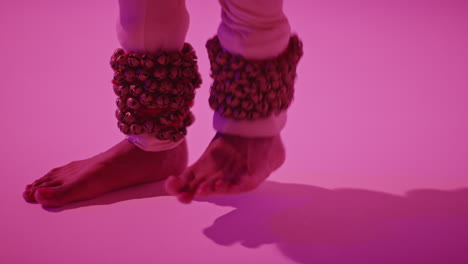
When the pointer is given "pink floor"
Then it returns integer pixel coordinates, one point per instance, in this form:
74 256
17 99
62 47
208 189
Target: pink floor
377 168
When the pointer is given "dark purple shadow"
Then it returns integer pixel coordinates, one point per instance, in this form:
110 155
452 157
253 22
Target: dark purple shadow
315 225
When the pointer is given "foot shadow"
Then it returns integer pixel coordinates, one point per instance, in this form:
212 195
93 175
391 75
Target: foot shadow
141 191
314 225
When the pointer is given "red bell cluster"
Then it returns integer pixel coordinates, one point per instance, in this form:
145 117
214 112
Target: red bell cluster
252 89
155 91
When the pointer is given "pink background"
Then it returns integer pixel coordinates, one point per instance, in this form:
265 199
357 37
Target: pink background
377 168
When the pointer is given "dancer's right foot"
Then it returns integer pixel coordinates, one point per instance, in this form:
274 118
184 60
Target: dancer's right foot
122 165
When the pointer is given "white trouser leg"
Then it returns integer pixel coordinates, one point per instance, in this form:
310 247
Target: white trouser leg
150 26
254 29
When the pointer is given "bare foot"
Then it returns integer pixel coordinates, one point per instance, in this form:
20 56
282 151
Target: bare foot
230 164
122 165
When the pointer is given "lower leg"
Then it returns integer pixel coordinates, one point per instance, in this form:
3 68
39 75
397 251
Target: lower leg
152 25
142 27
244 152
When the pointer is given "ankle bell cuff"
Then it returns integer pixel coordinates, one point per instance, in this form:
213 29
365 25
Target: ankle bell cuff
155 92
252 89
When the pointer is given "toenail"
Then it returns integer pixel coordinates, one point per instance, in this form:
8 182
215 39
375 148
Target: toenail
184 195
46 193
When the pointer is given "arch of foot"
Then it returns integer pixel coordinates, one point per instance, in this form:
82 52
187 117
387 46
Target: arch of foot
253 64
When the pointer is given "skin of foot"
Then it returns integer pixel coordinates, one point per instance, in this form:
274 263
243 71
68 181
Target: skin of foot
120 166
230 164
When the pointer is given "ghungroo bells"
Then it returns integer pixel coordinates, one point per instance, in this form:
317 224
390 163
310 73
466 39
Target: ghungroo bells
252 89
155 91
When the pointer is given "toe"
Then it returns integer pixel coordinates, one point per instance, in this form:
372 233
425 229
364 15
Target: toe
28 196
50 183
173 185
204 173
187 176
197 182
207 187
221 186
50 196
29 193
190 190
185 197
183 189
44 178
40 180
187 179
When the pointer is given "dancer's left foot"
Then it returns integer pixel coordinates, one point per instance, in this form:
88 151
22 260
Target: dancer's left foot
230 164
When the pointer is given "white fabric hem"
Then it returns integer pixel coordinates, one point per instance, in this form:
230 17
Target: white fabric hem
267 127
147 142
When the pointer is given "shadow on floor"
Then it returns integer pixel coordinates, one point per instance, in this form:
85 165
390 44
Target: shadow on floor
315 225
